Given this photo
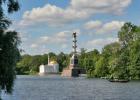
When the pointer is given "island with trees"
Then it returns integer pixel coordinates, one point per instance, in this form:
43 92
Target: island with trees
118 60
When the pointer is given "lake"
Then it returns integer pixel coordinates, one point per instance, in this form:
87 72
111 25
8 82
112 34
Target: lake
54 87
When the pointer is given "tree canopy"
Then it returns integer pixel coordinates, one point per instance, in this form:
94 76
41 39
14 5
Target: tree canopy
121 59
9 41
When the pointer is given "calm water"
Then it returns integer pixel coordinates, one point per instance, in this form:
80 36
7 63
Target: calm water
58 88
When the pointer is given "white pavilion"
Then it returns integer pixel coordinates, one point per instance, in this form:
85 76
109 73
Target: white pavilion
51 68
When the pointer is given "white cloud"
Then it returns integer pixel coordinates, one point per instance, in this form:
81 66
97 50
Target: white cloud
93 25
59 38
44 39
110 27
63 34
78 9
101 6
102 28
34 45
100 42
23 36
51 39
64 46
52 15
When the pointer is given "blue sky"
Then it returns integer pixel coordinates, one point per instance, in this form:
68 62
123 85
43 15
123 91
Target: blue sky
47 25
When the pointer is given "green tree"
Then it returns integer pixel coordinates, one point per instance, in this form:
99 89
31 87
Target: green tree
53 56
134 66
23 66
30 64
9 41
9 55
92 57
36 62
11 6
119 67
101 69
44 59
82 58
63 61
127 34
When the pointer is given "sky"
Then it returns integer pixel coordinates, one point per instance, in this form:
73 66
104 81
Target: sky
47 25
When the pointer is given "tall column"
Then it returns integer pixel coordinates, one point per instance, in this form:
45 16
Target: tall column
73 69
48 59
74 43
74 59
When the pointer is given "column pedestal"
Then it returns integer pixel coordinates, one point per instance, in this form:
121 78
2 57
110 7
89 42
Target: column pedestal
72 71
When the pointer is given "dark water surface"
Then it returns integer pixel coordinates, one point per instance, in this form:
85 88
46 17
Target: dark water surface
59 88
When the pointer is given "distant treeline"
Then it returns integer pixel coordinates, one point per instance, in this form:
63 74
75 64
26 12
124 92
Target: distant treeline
117 60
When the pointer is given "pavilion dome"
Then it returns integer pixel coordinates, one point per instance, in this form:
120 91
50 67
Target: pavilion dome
53 62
